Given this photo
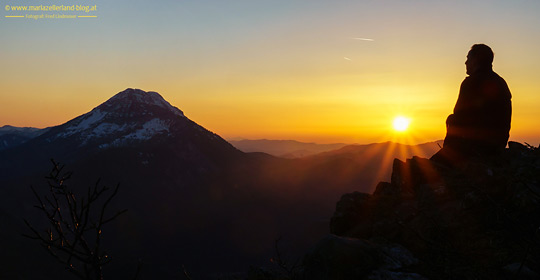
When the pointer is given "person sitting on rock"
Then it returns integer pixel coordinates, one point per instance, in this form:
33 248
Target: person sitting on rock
480 124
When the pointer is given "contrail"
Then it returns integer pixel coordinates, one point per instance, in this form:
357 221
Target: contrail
364 39
347 58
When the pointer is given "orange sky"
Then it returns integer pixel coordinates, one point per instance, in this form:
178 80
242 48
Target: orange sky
274 69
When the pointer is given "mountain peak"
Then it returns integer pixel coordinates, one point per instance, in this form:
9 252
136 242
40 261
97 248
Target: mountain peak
131 98
130 115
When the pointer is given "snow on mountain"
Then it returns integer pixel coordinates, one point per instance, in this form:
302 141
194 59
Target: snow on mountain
130 98
148 130
131 115
133 126
85 123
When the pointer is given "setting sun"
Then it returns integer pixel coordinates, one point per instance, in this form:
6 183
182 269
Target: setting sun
401 123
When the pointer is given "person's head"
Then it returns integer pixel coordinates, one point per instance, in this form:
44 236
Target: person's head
480 57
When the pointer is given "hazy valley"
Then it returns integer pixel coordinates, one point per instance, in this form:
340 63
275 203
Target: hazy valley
193 199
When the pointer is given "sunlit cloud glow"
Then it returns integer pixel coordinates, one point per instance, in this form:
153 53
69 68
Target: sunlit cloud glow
363 39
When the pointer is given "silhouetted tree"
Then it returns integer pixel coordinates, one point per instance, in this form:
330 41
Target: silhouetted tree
73 235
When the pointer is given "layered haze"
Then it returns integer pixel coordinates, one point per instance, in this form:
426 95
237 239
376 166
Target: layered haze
185 187
312 71
262 115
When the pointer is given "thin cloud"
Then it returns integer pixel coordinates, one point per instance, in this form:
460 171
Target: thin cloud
346 58
363 39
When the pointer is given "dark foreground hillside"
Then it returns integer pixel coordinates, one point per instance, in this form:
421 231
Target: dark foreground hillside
193 200
479 220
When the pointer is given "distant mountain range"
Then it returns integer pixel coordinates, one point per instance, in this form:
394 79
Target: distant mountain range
11 136
192 197
284 148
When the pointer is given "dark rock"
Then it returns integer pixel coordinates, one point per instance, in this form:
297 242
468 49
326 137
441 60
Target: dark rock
261 273
478 220
518 271
341 258
350 209
392 275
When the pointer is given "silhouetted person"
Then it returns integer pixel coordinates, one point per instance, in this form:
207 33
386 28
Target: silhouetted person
480 124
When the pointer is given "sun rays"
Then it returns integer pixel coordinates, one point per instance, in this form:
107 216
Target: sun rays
401 123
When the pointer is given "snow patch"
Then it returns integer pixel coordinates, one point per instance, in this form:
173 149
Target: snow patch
102 130
105 129
94 117
149 130
91 118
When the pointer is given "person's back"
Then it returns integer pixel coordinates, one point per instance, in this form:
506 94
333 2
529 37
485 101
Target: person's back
480 124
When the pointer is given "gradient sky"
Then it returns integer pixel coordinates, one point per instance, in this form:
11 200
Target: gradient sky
276 69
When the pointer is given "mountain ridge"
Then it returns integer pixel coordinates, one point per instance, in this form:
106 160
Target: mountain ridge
185 188
130 115
12 136
129 119
283 148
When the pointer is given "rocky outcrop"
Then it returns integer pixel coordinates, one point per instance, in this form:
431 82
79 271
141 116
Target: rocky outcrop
478 220
342 258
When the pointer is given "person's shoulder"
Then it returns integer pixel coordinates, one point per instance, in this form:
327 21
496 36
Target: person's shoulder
501 84
467 81
495 75
498 78
485 77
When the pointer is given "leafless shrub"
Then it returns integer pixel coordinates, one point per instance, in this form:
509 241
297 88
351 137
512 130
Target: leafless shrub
73 234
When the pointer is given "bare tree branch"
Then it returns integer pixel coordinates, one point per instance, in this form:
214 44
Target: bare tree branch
72 237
